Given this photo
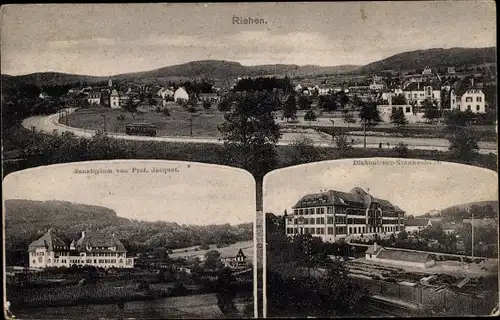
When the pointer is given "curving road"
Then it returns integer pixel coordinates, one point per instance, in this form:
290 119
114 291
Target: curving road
50 124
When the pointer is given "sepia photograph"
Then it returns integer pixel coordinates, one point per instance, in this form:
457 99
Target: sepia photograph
259 87
129 239
381 237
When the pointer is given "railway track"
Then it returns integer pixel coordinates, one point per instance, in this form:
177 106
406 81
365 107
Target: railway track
384 308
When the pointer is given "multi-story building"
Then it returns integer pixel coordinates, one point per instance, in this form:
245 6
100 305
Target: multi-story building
416 93
472 100
114 99
92 249
333 215
94 98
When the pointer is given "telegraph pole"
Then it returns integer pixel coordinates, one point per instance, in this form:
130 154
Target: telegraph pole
364 133
191 125
104 118
472 233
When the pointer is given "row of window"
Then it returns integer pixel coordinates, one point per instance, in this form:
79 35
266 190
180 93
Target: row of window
343 230
104 254
471 99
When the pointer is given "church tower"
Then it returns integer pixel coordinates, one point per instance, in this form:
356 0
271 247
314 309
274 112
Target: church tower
110 82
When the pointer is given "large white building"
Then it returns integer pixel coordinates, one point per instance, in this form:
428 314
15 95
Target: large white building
114 99
181 94
92 249
416 93
471 99
332 215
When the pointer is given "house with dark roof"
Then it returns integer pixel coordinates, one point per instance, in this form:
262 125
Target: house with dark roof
332 215
417 92
465 96
399 257
92 249
416 225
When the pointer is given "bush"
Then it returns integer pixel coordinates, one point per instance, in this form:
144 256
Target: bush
401 149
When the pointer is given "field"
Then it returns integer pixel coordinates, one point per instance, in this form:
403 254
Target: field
205 123
232 250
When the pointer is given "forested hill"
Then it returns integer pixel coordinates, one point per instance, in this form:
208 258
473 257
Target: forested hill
434 58
481 209
26 220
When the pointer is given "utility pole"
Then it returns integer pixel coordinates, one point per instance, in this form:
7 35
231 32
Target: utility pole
333 130
472 233
191 125
104 118
364 133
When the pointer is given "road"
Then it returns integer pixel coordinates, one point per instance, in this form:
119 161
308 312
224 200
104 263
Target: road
50 124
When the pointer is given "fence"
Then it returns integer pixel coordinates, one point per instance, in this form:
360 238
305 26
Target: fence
430 297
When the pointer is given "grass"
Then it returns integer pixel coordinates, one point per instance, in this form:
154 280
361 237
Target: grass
205 124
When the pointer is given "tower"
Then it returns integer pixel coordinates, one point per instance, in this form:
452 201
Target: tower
110 82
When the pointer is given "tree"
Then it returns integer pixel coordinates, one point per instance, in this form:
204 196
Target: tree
152 101
250 133
431 111
398 117
310 116
401 149
130 106
304 151
402 235
207 105
348 118
304 102
399 99
290 108
226 293
463 144
370 114
212 259
342 145
327 103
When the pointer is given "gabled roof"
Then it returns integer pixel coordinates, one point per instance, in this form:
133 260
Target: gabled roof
114 93
407 256
417 222
49 241
92 239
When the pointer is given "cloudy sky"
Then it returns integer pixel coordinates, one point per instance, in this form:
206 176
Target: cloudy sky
414 188
198 194
116 38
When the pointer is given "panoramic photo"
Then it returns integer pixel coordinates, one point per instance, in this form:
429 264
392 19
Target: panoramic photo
129 239
381 237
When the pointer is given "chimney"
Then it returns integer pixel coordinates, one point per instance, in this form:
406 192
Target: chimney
83 234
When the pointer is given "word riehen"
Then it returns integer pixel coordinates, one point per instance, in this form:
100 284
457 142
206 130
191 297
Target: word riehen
248 20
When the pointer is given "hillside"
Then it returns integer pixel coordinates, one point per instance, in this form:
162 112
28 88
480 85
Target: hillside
27 220
211 69
481 209
434 58
41 79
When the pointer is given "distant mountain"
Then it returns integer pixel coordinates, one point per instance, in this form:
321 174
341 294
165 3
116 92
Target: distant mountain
481 209
434 58
211 69
41 79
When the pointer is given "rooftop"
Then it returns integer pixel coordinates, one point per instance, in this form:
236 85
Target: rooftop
407 256
49 241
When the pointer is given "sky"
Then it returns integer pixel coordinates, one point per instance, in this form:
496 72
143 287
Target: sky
198 194
102 40
416 189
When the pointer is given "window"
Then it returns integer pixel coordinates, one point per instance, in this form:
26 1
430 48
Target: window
350 230
301 211
330 230
322 220
318 230
479 99
306 230
478 108
40 259
408 109
317 211
468 107
329 220
312 230
318 221
296 211
468 99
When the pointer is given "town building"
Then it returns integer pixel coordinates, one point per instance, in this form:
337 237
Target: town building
210 97
427 71
416 93
451 70
298 88
181 94
238 260
92 249
94 98
378 253
114 99
416 225
471 99
165 93
332 215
